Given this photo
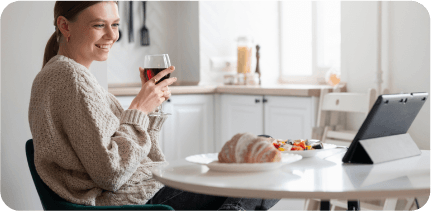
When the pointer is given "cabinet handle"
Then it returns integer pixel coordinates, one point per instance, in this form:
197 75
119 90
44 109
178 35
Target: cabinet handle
257 100
265 100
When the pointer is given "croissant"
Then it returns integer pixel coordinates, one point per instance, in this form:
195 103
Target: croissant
248 148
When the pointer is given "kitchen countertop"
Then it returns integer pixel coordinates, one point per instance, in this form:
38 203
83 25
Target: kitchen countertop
302 90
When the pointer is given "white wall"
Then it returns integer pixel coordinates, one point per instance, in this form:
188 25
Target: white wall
405 54
187 33
25 29
409 48
192 33
127 57
22 56
173 29
222 22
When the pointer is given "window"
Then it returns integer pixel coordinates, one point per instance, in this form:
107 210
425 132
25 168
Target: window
310 40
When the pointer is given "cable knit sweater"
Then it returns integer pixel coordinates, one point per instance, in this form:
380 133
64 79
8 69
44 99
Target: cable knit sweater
87 148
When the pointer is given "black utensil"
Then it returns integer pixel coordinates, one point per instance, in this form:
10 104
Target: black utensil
145 35
131 21
119 31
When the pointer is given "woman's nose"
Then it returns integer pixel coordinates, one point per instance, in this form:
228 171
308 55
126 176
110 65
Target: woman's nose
111 33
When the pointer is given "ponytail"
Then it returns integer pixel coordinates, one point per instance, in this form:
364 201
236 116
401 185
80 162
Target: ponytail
51 48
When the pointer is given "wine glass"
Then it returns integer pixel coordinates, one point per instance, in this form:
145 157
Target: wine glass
153 64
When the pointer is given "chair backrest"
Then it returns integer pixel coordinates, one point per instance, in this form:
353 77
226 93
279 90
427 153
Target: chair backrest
51 201
347 102
330 106
48 198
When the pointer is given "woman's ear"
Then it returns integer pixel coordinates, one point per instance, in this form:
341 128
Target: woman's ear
63 26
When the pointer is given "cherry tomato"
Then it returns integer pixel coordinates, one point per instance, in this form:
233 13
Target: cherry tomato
276 145
302 144
297 148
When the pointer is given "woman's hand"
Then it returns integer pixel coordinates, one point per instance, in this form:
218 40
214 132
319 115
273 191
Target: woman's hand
152 94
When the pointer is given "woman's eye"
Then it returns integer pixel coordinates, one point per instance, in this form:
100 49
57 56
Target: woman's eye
103 25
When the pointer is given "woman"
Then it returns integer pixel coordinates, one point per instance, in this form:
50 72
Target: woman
87 148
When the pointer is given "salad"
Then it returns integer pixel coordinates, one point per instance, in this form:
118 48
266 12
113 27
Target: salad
296 145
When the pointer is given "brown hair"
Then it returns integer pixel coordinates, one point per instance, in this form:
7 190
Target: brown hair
70 10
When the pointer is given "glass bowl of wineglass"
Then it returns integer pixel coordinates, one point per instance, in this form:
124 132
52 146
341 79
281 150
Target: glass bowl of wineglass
154 64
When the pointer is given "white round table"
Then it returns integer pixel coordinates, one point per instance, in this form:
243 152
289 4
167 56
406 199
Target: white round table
323 177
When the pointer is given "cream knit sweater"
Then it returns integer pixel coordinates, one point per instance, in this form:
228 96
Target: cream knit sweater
87 148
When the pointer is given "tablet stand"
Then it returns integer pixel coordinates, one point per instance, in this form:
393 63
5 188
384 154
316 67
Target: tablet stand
383 149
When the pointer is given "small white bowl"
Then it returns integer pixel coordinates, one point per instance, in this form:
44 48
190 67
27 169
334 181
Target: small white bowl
312 153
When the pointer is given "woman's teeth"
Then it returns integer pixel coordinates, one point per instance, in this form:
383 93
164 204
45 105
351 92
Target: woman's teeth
102 46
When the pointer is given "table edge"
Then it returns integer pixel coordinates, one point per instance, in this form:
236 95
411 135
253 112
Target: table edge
271 194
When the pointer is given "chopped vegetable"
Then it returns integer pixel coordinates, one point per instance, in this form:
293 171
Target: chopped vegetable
297 148
296 145
277 145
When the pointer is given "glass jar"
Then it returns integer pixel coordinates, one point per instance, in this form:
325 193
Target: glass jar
244 48
332 76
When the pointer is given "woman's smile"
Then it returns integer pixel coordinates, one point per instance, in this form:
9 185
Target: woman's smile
105 47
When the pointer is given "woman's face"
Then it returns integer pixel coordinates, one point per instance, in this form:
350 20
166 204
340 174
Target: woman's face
94 32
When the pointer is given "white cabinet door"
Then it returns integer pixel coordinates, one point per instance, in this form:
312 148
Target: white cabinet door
189 130
239 114
289 117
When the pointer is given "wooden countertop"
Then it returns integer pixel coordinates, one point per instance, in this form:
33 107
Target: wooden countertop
302 90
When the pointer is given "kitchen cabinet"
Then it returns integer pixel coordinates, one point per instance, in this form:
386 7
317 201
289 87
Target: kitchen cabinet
278 116
289 117
202 123
189 130
239 114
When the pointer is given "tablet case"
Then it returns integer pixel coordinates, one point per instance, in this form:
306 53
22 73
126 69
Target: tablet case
383 135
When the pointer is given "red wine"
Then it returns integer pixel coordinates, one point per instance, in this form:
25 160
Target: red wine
151 72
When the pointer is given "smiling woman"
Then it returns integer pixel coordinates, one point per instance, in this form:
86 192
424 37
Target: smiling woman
87 148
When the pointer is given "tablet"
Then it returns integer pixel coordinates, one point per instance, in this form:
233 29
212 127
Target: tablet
390 115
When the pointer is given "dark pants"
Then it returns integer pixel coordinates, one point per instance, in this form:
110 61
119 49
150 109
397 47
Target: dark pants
183 200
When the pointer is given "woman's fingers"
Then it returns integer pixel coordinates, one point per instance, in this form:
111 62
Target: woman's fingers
167 94
153 95
164 88
164 92
167 82
164 72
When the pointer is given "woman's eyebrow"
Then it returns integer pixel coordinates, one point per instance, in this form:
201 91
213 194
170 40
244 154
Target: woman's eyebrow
102 20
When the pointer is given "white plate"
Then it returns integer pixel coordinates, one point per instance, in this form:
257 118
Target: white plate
211 160
311 153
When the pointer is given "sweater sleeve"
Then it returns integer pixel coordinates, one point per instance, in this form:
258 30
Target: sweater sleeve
154 128
110 149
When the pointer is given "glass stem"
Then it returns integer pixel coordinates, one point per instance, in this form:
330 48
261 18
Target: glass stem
160 108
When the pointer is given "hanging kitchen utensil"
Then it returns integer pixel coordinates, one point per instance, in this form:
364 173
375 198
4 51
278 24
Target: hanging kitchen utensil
119 31
257 62
145 35
131 21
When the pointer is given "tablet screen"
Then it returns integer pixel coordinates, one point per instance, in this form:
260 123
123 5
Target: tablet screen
390 115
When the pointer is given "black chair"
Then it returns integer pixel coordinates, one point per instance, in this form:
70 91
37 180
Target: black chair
51 201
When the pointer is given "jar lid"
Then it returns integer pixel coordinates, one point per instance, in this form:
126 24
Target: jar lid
245 39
